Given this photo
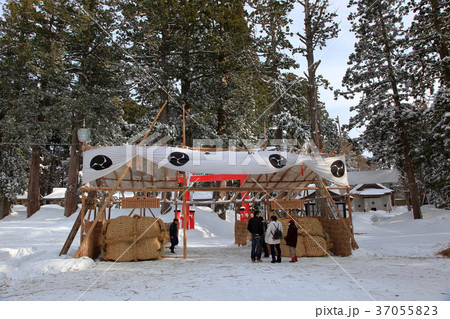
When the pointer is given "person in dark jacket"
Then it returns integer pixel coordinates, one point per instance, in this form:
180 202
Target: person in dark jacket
256 228
173 233
263 241
291 240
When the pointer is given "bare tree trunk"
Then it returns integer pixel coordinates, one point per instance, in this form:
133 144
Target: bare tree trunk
71 203
311 77
216 197
5 208
34 196
412 184
402 129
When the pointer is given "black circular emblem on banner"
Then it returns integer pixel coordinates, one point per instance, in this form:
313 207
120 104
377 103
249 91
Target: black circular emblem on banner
338 168
100 162
277 160
178 158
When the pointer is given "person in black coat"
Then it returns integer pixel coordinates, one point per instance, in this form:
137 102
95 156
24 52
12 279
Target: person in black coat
263 241
173 233
256 228
291 240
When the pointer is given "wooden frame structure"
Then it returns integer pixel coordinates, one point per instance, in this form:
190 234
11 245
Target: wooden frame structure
276 191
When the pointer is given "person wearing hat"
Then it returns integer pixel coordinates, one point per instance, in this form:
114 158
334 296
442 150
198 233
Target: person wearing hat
173 233
291 240
256 228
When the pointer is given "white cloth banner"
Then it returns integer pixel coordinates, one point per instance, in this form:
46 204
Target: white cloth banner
101 161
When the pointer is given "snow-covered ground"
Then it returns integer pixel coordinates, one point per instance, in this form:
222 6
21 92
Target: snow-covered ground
396 261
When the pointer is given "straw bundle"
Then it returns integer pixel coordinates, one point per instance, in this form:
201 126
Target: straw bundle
316 246
300 249
167 228
340 239
133 238
308 225
241 234
312 241
92 249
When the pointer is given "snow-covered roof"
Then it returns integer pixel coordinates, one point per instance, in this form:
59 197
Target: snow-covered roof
22 196
201 195
57 193
380 176
368 190
333 192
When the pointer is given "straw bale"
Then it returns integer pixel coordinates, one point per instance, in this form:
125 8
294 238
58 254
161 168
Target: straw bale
151 248
285 223
133 238
340 239
315 246
241 234
308 225
167 228
284 250
93 247
300 250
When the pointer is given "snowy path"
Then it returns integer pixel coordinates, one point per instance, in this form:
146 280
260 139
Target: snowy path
225 273
396 261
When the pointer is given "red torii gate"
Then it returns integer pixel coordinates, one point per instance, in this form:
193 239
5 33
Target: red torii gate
210 178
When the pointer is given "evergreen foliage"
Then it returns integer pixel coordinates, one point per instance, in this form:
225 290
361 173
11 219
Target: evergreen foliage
112 64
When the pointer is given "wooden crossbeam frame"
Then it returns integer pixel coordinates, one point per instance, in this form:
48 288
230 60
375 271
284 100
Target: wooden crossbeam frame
112 191
284 188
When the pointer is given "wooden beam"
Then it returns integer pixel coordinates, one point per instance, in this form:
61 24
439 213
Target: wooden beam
116 186
153 123
72 234
102 209
346 149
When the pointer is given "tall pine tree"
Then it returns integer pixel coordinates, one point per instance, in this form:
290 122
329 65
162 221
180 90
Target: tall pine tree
377 74
319 27
94 66
271 26
428 65
33 68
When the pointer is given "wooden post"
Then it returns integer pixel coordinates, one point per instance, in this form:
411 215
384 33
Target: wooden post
350 209
340 134
185 215
153 123
72 234
184 126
